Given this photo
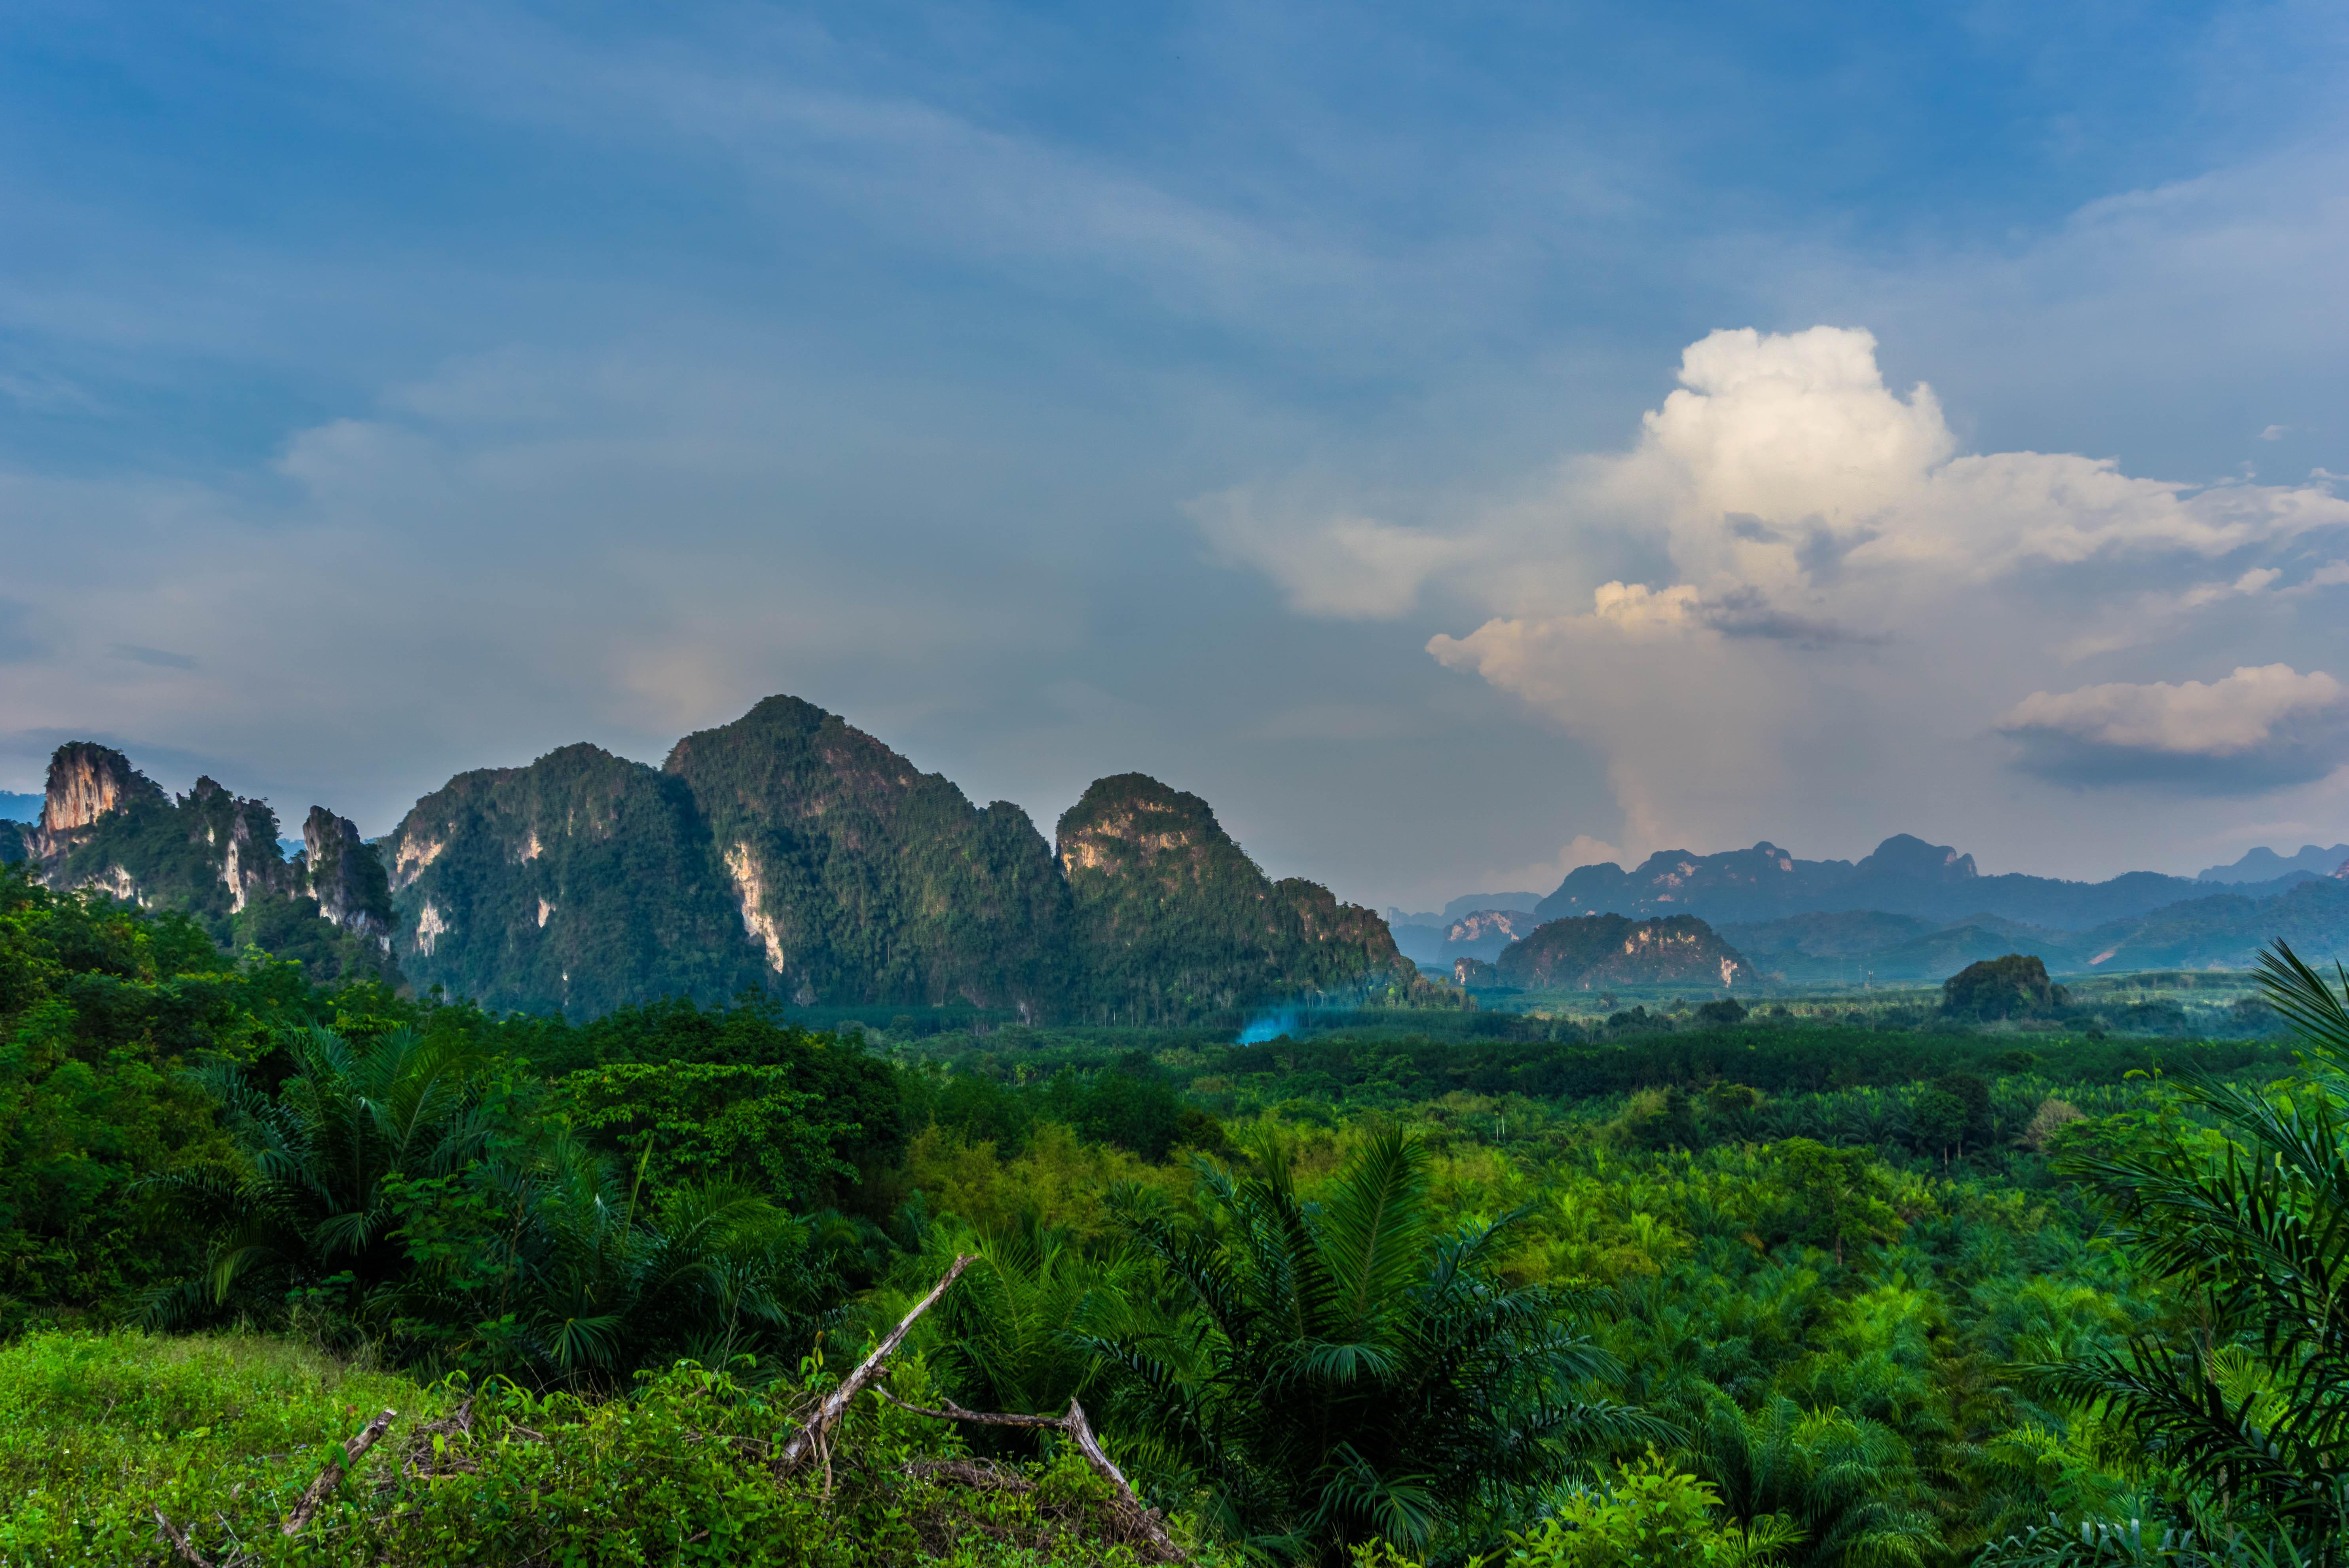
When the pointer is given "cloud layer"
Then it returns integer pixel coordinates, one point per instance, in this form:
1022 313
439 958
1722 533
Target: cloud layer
1826 606
2251 731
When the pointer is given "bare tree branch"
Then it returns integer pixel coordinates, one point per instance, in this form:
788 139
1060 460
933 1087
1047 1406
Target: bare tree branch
811 1436
1080 1432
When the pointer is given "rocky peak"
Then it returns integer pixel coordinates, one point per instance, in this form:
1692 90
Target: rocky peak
1906 855
86 781
345 876
1131 823
1509 924
1588 950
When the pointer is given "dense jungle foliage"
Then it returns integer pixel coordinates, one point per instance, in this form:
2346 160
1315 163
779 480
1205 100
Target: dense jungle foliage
1764 1290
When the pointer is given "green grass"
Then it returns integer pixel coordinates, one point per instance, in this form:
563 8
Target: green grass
224 1433
96 1428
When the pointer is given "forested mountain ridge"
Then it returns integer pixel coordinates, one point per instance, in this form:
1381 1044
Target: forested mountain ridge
790 850
1170 915
213 856
583 882
1586 951
864 879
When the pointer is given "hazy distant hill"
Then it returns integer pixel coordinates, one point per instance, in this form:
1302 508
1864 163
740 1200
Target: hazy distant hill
2225 930
1855 946
2264 865
1904 875
1432 938
18 807
1590 951
1472 903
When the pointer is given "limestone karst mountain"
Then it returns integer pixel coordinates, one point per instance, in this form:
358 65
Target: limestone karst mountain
1588 953
1172 918
863 878
583 882
790 850
214 857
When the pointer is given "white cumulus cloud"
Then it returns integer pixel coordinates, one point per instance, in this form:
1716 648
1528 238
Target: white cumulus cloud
1836 606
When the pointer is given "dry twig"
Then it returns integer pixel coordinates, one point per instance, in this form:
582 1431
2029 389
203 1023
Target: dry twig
180 1541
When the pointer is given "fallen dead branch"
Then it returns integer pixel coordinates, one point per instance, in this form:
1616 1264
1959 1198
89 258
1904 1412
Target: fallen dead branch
180 1542
979 1475
430 1451
810 1437
332 1476
319 1489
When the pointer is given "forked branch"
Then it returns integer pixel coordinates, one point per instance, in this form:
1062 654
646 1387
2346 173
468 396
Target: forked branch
811 1436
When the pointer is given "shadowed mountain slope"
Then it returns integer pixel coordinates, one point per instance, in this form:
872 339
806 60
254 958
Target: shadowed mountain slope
1173 918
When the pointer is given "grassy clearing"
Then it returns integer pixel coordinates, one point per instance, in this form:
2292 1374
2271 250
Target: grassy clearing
97 1429
224 1433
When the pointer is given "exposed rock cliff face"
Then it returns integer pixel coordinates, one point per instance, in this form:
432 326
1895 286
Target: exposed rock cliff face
1595 950
583 882
86 781
209 854
1172 918
863 878
346 877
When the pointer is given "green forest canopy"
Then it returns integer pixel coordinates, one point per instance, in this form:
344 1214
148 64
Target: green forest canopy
1812 1294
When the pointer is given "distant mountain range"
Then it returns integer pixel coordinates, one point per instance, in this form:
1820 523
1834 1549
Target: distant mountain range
788 851
1914 911
1904 875
2264 865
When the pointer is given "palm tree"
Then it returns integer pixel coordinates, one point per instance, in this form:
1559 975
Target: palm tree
316 1206
1015 1334
2249 1408
1346 1370
1849 1483
386 1185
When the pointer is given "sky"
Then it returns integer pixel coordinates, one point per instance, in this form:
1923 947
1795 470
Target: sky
1459 443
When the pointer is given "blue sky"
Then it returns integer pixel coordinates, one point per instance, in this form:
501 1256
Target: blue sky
1251 395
